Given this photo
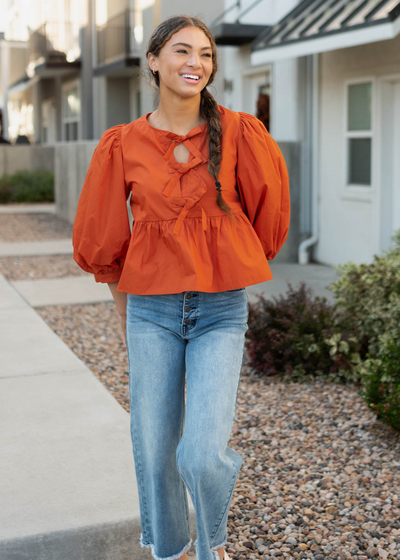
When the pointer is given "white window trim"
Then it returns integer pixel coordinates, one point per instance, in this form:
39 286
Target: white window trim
65 87
361 193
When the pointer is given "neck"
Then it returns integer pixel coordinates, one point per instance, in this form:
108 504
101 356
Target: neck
179 115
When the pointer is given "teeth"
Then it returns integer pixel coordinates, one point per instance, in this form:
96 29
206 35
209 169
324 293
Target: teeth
190 76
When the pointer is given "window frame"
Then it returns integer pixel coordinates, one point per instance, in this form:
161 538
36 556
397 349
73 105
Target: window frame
354 191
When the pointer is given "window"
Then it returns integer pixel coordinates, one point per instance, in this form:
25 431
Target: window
71 112
359 134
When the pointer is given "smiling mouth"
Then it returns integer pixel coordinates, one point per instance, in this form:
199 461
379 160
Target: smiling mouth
189 78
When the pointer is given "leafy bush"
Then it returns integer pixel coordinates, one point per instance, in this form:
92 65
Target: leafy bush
368 297
357 339
27 186
300 337
381 378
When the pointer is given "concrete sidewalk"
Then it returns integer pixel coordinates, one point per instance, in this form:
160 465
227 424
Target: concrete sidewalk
67 480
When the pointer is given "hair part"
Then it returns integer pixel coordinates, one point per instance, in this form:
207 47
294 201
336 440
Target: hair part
208 106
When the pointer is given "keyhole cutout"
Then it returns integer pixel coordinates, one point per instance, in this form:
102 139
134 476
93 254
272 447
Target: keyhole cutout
181 153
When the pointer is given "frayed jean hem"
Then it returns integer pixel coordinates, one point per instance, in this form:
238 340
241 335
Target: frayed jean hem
214 548
174 557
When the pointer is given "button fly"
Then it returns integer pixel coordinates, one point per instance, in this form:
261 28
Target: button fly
188 296
187 308
186 321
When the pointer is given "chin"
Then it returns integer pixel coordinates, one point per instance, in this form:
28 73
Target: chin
189 94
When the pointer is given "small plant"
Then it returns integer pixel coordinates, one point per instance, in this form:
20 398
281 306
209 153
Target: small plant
27 186
300 337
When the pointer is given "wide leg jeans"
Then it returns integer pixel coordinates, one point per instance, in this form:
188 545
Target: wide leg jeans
198 337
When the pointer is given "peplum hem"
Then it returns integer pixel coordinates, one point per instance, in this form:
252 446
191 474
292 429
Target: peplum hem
223 257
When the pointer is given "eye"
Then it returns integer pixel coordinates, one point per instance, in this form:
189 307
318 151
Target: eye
185 51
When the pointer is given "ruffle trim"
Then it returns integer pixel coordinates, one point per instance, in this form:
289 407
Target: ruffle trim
163 226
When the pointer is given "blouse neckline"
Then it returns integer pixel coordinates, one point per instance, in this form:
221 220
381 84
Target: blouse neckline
162 131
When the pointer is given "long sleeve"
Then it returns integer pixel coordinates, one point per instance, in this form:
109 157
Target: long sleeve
101 231
263 184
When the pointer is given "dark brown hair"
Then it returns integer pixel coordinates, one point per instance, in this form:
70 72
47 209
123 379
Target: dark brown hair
208 105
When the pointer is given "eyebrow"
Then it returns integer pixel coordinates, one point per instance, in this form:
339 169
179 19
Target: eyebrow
190 46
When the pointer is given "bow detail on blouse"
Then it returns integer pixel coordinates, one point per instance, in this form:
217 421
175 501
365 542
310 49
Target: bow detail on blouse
178 169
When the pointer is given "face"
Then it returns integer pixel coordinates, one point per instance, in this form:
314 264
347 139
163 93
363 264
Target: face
187 53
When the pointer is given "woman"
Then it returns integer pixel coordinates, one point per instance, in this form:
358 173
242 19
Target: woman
179 278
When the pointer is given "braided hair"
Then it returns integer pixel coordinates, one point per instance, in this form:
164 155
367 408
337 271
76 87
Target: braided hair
208 105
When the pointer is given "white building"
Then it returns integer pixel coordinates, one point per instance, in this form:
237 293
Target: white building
348 55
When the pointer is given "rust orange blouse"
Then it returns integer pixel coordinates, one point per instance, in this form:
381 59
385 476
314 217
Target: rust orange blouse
181 240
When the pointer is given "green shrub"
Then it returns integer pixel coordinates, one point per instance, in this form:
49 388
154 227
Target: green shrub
300 337
27 186
368 297
357 339
381 378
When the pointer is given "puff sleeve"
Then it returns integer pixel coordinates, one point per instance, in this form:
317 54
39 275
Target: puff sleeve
101 230
263 184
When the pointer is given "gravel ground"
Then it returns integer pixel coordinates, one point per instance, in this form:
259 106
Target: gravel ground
33 227
320 475
39 267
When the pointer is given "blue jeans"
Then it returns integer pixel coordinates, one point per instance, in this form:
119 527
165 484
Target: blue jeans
201 334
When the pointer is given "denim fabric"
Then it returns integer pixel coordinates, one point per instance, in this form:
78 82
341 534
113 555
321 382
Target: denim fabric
202 335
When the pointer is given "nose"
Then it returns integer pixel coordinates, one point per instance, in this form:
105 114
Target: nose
194 60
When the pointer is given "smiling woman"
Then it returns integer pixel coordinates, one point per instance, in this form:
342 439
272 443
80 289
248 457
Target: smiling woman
210 200
183 50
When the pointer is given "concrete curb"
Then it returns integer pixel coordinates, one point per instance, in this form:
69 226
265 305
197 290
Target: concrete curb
111 539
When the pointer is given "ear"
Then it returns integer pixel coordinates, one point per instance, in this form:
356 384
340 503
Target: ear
151 60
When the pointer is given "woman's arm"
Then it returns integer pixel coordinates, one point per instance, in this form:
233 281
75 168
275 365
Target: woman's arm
120 299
